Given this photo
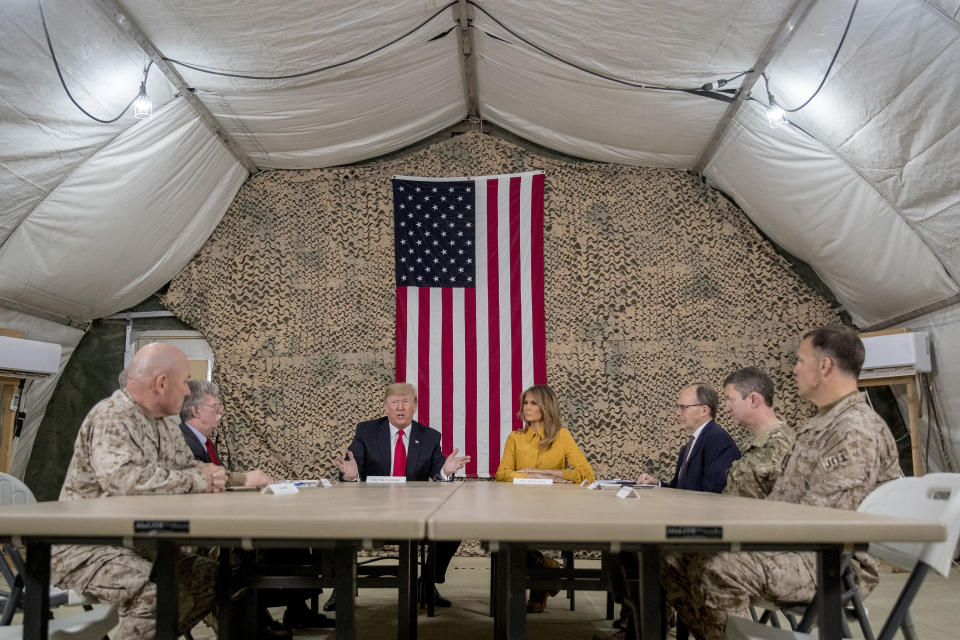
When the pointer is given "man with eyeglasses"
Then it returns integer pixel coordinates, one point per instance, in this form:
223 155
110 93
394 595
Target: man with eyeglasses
199 418
840 456
704 460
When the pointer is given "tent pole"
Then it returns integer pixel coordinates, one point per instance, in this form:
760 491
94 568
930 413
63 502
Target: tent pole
122 20
468 61
774 45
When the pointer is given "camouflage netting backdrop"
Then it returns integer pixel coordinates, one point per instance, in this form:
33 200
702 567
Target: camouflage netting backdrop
652 281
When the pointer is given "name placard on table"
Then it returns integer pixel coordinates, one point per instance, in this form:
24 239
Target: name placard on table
538 481
386 479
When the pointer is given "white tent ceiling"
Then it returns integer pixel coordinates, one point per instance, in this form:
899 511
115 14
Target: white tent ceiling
865 187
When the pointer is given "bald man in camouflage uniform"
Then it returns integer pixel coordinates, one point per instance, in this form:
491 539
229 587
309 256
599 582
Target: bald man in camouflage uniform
840 456
124 447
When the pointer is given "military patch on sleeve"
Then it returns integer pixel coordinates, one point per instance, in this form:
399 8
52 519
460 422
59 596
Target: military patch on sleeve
836 459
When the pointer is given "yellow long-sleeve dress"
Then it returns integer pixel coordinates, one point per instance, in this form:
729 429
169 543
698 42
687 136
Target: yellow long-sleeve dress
522 450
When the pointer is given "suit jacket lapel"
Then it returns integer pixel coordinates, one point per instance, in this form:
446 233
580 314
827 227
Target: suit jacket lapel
413 449
383 444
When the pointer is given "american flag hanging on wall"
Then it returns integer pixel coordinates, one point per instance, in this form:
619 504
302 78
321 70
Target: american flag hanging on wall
470 331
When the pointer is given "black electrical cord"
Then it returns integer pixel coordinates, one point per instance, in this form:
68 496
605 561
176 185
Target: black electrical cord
63 83
708 90
830 66
229 74
702 90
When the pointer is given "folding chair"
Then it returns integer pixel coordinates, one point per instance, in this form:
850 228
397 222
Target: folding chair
935 496
12 567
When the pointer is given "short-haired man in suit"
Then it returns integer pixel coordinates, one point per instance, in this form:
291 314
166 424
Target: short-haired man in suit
703 462
396 445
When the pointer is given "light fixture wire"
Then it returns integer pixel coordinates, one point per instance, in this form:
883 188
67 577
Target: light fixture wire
56 65
823 80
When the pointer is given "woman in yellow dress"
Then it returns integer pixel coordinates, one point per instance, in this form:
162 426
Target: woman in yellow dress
542 449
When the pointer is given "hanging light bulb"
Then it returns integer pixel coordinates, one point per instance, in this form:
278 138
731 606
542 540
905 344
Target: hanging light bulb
776 116
143 106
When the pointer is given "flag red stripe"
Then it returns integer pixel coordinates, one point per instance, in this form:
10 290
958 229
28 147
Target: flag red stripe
400 369
446 366
516 337
493 315
470 381
423 356
536 271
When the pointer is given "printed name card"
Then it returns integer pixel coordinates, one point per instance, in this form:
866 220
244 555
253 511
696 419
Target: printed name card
386 479
280 489
310 484
539 481
627 492
593 486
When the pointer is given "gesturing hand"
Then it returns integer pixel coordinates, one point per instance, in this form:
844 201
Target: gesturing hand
348 468
454 463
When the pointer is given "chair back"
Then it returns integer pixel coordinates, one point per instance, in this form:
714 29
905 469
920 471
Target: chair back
935 496
13 491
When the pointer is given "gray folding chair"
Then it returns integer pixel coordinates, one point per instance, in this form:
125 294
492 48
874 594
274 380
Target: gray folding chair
935 496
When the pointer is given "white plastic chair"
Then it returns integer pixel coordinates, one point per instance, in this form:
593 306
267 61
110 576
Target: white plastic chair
87 625
13 492
935 496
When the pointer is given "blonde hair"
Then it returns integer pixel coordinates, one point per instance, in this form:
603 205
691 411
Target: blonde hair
550 409
401 389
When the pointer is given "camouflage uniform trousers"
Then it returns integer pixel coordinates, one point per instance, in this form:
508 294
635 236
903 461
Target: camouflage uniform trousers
121 576
707 588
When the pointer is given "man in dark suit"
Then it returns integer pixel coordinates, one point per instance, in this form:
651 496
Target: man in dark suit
704 460
199 418
396 445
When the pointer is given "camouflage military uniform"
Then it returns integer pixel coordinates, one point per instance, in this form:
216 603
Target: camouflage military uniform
119 451
752 476
760 464
839 457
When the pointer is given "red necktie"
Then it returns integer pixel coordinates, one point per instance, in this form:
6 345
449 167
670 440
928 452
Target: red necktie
400 456
212 453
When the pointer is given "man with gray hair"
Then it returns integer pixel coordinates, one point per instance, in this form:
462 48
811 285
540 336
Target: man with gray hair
199 418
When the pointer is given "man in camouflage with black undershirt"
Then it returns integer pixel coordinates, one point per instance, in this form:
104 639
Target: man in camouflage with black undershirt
124 447
840 456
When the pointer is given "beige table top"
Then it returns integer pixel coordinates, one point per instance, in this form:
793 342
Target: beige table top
570 513
344 511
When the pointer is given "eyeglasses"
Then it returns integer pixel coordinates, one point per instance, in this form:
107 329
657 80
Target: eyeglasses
684 407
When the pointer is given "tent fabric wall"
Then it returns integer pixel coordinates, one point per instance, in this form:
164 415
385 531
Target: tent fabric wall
37 392
870 199
43 137
124 221
815 206
943 326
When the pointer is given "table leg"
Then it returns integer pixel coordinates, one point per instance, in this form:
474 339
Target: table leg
345 583
225 607
407 599
829 608
510 620
651 599
36 593
168 598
